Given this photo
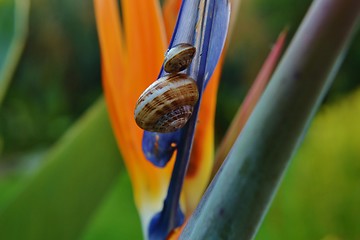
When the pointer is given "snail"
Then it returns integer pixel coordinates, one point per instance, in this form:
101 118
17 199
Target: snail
167 104
179 57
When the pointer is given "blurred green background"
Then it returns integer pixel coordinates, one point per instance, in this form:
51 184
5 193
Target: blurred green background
46 194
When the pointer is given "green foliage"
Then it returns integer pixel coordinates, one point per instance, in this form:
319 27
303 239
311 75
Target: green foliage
13 31
319 196
59 200
117 218
14 16
57 78
6 27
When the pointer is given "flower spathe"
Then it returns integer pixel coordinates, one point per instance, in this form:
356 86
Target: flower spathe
132 52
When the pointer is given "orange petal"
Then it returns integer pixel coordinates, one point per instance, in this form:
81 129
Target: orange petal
146 43
124 77
170 12
175 234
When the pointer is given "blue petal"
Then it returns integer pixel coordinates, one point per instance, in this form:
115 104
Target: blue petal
218 36
159 147
204 24
158 225
185 32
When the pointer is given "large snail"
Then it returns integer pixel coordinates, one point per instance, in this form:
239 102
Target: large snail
167 104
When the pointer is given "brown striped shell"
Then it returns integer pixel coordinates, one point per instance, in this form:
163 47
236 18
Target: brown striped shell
167 104
179 57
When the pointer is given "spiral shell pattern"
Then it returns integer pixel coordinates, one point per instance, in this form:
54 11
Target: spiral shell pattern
167 104
179 57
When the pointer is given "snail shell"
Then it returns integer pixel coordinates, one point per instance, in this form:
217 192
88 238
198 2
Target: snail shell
167 104
179 57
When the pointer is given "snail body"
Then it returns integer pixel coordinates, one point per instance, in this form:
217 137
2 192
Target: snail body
167 104
179 57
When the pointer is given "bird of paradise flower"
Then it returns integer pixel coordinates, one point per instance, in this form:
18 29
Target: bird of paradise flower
132 52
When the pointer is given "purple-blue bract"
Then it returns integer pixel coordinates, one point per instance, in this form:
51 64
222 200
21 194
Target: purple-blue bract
204 24
185 33
159 147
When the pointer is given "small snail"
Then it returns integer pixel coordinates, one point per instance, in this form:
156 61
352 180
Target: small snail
179 57
167 104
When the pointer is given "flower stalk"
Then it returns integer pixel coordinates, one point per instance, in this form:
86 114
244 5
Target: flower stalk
239 196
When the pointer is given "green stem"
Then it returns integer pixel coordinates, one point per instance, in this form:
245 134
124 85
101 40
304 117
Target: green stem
238 198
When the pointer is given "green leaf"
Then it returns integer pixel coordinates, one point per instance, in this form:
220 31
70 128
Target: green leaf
10 186
320 195
14 16
117 218
59 200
